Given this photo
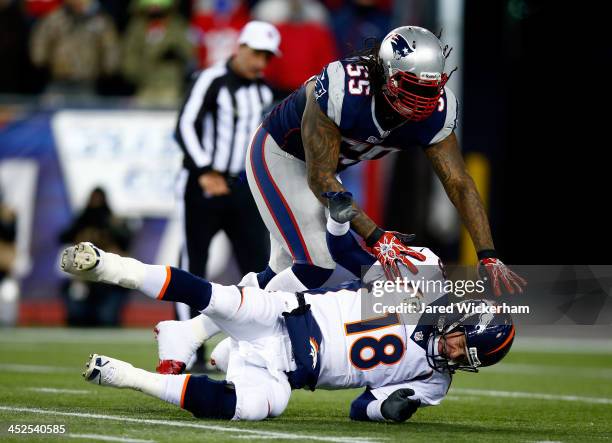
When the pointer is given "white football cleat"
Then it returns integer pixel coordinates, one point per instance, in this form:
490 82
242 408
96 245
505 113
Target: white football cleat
176 345
89 262
107 371
81 259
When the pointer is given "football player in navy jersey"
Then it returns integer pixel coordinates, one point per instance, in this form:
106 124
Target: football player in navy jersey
390 98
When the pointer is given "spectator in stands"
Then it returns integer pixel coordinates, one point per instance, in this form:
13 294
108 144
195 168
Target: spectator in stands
78 44
96 304
8 231
218 24
36 9
13 48
358 20
157 53
8 287
307 43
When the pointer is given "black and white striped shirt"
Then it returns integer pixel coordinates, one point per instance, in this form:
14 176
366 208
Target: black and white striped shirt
215 124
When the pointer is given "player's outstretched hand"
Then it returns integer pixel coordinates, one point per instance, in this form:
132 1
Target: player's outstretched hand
340 206
399 406
391 249
498 274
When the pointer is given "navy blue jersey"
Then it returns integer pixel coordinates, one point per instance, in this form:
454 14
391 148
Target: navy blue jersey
343 92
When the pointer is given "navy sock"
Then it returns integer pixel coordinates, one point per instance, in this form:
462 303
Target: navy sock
207 398
264 277
311 276
187 288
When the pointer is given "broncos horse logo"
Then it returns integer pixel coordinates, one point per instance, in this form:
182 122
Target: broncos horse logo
400 46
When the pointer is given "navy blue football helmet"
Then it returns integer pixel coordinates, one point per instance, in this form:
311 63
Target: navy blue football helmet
488 336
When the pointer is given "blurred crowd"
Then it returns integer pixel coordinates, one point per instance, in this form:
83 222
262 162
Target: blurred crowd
88 303
148 49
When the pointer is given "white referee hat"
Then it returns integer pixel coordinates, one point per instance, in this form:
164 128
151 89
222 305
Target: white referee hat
261 36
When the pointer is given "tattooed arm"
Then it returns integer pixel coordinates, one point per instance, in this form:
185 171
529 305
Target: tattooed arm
448 163
321 139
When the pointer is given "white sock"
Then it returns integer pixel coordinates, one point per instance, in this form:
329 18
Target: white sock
285 281
123 271
155 280
204 328
128 272
168 388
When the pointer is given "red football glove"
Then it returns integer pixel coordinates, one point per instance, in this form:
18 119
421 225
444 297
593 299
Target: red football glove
497 272
391 249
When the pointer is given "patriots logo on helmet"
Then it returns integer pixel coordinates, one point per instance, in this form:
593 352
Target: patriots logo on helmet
400 46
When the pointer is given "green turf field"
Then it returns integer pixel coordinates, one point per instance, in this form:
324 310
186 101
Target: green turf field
561 392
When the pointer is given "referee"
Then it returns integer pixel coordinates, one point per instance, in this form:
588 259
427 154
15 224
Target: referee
222 110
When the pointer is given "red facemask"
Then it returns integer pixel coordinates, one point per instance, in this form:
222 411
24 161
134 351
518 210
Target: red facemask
412 98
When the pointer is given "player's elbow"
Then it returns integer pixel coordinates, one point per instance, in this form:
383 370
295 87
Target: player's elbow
317 185
458 185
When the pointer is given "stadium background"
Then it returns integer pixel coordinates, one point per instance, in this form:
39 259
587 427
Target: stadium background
522 128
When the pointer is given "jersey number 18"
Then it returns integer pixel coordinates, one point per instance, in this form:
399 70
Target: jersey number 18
367 352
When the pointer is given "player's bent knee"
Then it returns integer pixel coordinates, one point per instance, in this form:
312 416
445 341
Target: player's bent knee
224 302
268 399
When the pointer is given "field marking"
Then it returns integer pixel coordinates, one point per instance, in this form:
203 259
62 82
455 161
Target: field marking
565 371
108 438
542 344
37 369
532 395
44 336
60 391
563 345
186 424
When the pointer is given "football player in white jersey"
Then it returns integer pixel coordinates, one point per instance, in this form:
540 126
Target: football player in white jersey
176 342
285 340
393 97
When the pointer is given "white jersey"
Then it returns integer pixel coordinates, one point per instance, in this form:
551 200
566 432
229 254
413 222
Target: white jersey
384 354
381 352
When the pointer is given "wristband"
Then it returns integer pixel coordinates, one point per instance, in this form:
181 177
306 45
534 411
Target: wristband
373 410
336 228
374 237
487 253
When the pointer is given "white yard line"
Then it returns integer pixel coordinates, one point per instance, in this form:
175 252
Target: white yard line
37 369
549 370
77 335
531 395
108 438
187 424
550 345
60 391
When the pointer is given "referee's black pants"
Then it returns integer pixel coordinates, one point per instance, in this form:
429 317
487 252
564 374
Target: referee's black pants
234 213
